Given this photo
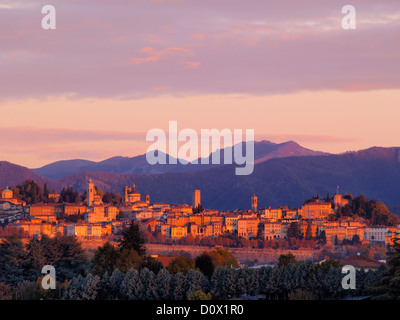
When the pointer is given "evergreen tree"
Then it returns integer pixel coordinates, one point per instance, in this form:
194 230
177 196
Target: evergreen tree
131 286
181 264
231 283
179 290
13 261
285 259
294 231
133 238
388 284
194 281
148 282
90 287
127 259
308 231
105 259
218 283
115 282
205 264
164 284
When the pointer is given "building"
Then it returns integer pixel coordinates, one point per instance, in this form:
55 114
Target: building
273 230
196 199
73 208
178 232
131 195
46 211
333 233
254 203
36 228
376 234
8 195
358 262
272 214
339 201
101 213
90 193
316 209
248 228
54 196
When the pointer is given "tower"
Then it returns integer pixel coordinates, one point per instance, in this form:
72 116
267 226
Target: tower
147 198
90 193
254 203
196 198
126 191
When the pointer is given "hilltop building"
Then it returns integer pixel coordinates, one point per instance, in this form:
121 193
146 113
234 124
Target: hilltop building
131 195
8 195
92 197
316 209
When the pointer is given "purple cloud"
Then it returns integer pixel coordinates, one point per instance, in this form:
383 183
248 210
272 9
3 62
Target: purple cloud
131 49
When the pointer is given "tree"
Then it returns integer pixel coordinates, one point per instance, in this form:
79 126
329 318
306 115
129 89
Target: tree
29 191
308 231
6 293
112 198
286 259
127 259
356 239
131 286
330 263
115 282
46 192
205 264
199 295
322 237
133 238
13 261
218 283
151 264
90 287
181 264
294 231
179 289
105 259
301 294
164 284
388 285
195 281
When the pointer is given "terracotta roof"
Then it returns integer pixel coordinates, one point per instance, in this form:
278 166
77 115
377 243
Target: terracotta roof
360 261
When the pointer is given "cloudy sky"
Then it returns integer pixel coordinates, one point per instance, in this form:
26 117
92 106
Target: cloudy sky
114 69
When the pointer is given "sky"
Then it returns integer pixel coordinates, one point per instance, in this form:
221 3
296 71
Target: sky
113 70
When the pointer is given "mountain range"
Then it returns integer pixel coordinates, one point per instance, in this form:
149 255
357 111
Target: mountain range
263 151
284 174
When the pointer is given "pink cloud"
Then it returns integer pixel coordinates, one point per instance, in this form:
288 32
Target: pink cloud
253 47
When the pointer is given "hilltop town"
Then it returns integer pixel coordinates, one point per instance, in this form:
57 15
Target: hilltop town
93 219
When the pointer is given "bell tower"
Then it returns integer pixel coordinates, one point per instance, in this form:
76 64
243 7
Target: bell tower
90 193
254 203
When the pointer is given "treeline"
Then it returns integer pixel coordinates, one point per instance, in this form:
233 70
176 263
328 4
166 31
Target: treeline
31 192
376 213
302 280
212 275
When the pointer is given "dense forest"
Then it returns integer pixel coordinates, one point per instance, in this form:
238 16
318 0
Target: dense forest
127 272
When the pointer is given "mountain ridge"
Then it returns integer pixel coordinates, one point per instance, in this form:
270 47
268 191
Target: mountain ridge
374 172
264 150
